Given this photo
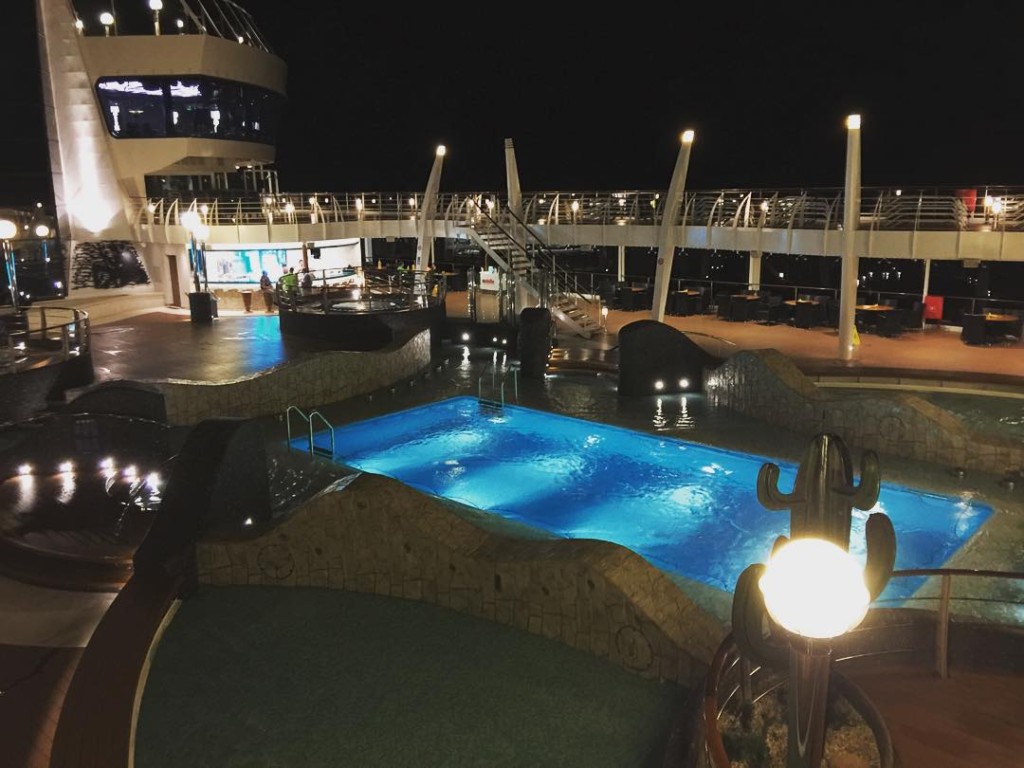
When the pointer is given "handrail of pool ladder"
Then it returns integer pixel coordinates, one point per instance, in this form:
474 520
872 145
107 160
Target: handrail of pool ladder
288 425
330 430
309 419
498 385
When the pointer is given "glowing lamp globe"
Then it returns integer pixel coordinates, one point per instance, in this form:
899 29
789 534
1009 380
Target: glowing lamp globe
815 589
8 229
190 220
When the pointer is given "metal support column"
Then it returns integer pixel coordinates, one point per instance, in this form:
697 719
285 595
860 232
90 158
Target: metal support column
669 216
851 221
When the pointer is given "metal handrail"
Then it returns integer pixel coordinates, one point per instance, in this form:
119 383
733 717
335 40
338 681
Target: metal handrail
75 336
498 384
288 424
330 430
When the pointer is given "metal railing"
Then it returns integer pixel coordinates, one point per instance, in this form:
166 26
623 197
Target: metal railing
217 18
32 337
343 289
498 379
309 420
882 209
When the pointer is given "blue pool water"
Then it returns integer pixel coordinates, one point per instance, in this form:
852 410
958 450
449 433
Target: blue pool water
689 509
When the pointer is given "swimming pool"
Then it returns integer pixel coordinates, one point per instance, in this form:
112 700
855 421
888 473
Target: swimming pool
689 509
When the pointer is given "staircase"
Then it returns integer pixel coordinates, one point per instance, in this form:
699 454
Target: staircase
529 260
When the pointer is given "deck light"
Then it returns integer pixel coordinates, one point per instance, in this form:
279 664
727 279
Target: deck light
153 480
180 24
107 20
659 385
24 469
814 588
131 471
79 25
156 6
441 150
764 205
8 229
465 337
687 137
66 466
853 122
575 206
684 383
494 340
107 463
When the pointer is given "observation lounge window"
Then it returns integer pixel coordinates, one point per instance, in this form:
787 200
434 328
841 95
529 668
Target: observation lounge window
189 107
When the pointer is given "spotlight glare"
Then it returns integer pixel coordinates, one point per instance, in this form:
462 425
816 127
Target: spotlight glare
66 466
684 383
659 385
465 337
25 469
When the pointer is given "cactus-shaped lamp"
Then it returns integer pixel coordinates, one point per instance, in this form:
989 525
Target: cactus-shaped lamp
812 590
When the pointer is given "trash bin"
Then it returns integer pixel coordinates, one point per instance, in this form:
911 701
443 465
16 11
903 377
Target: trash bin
247 300
202 307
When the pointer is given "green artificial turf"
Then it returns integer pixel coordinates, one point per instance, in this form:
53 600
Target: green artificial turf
263 676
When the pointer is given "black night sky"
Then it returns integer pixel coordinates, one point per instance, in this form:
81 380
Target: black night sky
595 96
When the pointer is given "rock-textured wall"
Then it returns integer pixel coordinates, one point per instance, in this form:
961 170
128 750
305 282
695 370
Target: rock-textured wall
380 536
322 378
765 384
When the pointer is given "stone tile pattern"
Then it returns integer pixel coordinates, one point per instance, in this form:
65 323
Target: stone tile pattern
382 537
323 378
765 384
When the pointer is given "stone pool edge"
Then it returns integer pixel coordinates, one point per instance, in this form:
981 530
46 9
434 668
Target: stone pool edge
380 536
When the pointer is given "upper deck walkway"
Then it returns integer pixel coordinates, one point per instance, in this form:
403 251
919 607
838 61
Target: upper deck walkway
983 224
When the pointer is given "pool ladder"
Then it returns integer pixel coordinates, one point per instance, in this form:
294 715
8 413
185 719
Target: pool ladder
309 419
496 390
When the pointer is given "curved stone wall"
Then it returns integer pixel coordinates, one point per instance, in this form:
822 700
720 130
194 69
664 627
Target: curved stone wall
765 384
380 536
323 378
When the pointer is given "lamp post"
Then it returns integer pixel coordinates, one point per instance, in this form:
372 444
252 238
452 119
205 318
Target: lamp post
811 590
815 591
8 229
156 6
107 20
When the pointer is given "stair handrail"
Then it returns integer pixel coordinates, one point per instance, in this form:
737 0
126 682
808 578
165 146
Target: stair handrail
330 430
564 282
